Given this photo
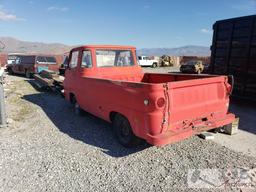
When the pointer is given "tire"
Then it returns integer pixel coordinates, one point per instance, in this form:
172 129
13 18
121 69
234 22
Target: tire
200 71
124 133
27 74
10 71
77 109
154 65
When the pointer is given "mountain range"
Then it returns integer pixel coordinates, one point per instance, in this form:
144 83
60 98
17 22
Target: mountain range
15 45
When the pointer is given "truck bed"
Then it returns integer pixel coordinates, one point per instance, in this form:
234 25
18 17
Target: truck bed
155 78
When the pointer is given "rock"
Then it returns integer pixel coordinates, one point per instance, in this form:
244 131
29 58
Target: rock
9 121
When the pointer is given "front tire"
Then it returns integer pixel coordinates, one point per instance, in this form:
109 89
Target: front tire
10 71
124 133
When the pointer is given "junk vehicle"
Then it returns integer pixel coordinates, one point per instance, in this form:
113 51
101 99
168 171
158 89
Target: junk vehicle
192 67
146 61
30 64
233 52
107 82
166 60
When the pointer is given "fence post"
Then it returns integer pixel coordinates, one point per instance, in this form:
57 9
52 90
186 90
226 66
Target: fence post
2 104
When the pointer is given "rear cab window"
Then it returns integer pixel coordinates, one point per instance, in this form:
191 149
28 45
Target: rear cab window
114 58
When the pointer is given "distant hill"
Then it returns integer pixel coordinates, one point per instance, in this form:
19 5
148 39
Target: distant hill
191 50
15 45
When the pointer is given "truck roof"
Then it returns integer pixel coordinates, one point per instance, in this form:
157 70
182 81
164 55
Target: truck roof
106 46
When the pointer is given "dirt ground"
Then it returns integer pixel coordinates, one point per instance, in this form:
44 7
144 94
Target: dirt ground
46 147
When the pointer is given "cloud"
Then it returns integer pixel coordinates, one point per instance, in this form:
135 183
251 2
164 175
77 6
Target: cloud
205 31
249 5
4 16
146 6
53 8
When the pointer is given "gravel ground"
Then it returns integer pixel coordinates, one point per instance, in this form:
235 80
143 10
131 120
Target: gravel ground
48 148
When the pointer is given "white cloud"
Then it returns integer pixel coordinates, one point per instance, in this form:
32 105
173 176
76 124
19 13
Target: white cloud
146 6
4 16
205 31
53 8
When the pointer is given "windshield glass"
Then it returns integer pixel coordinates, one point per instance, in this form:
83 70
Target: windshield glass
112 58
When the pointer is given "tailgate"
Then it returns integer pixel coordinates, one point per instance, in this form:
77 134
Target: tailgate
197 98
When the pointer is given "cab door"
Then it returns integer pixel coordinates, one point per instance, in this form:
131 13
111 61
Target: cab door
85 93
71 72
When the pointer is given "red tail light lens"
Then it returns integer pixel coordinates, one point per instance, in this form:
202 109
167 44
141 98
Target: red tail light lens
160 102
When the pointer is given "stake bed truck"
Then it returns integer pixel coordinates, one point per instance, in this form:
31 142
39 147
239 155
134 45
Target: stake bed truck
107 82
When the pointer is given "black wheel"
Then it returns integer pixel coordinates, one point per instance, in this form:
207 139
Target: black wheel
154 65
27 74
124 133
10 71
77 109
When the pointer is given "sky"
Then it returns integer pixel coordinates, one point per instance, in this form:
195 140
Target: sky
141 23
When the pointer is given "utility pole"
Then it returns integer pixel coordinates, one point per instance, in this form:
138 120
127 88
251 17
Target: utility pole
2 104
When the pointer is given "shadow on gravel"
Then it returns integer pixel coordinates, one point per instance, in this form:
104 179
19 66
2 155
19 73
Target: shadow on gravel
88 129
246 111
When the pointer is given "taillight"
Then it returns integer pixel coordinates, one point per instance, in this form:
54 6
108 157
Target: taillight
160 102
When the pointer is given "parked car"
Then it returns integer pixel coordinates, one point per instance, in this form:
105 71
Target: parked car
31 64
107 82
194 66
146 61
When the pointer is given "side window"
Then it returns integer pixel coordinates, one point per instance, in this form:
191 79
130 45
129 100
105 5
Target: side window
86 59
41 59
17 61
74 59
139 58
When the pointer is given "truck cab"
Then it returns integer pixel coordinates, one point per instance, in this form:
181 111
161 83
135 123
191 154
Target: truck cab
146 61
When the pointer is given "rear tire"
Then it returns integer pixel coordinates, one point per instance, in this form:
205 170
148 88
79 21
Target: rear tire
27 74
124 133
154 65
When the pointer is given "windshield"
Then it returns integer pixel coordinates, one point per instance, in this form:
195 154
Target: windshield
11 59
112 58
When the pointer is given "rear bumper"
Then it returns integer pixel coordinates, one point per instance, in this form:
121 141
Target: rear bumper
171 136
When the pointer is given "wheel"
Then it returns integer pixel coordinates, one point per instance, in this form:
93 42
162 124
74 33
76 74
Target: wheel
27 74
124 133
77 109
154 65
10 71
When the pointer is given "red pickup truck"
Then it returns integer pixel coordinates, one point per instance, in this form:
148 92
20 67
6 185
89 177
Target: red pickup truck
107 82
